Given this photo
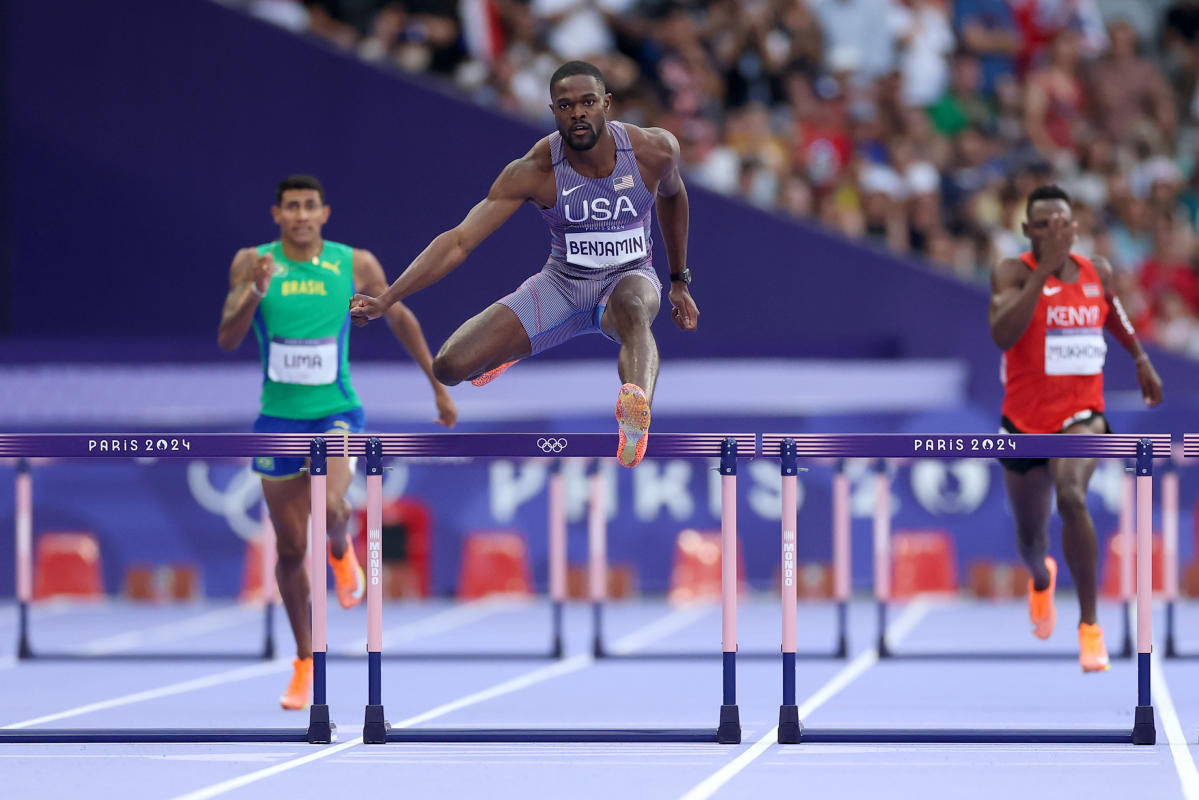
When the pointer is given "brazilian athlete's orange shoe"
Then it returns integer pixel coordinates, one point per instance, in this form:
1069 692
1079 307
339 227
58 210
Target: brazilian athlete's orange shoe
1040 604
491 374
299 691
348 576
1092 653
632 414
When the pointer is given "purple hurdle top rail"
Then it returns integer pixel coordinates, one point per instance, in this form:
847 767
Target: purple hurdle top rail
24 446
790 447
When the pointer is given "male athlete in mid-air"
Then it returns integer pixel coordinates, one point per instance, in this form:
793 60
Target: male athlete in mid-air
1049 309
293 292
596 183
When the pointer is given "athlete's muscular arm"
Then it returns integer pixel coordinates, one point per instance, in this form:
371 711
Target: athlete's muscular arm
1015 290
521 180
370 279
1120 327
662 158
249 278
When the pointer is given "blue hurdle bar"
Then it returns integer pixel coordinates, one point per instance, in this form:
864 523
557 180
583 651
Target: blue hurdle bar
730 447
85 446
952 446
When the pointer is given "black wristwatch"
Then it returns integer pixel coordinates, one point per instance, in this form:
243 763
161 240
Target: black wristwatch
683 277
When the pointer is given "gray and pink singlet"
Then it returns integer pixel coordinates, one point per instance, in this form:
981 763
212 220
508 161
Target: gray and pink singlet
599 233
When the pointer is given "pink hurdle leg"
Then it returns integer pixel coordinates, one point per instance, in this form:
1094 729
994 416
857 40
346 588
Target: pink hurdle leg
557 553
374 728
789 729
24 555
729 729
842 558
882 550
1143 729
597 556
320 729
1170 553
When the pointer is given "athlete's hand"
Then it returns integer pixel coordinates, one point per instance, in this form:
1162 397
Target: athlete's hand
1058 241
364 308
447 412
1151 383
685 313
264 270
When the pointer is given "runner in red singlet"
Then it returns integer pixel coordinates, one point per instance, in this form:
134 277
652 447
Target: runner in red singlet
1049 310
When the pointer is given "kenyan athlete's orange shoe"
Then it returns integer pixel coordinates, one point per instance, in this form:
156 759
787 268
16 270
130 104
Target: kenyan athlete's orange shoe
299 691
1040 604
632 414
1092 653
348 575
491 374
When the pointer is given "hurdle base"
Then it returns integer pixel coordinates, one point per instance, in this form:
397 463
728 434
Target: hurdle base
729 729
376 726
966 736
320 728
790 728
151 735
528 735
1143 730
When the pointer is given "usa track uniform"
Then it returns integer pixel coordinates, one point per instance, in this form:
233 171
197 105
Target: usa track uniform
600 231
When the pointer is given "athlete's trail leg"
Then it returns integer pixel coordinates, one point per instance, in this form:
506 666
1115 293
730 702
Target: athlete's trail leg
1030 496
288 501
485 341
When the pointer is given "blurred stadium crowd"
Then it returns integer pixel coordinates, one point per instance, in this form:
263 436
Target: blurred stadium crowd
917 125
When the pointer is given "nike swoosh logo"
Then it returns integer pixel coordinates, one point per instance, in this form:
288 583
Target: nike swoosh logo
1049 291
565 192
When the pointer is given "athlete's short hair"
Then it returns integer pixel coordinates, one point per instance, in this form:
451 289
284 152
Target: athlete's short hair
571 68
1047 192
299 182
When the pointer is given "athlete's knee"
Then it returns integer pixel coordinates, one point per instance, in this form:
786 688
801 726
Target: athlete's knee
632 311
290 545
449 367
1071 502
337 510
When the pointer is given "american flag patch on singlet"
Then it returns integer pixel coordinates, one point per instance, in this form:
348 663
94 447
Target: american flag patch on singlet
622 183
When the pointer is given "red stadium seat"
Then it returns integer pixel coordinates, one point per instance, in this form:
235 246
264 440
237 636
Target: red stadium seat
494 562
67 565
922 561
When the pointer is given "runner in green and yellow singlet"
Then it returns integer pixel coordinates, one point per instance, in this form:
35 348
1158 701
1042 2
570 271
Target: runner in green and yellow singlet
295 293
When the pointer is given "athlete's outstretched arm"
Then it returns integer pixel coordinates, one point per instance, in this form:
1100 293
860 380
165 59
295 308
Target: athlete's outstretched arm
516 184
674 218
1120 327
370 279
249 278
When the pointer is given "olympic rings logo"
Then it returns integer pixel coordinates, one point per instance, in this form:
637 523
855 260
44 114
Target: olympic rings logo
551 445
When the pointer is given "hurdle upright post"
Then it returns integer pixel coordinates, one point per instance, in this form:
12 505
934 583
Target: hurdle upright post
841 556
597 555
729 729
374 728
268 558
1126 543
556 553
1170 551
789 726
1143 731
882 550
320 728
24 554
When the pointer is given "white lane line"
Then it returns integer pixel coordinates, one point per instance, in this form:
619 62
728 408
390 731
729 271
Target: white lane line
572 664
208 681
1180 751
437 623
903 624
667 625
169 631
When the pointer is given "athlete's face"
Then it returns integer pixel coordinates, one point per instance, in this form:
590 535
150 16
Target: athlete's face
300 216
1040 224
580 107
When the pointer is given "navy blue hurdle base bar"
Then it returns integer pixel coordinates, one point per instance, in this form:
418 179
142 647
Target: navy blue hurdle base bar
792 447
728 447
320 729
